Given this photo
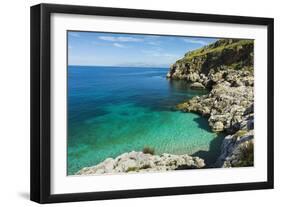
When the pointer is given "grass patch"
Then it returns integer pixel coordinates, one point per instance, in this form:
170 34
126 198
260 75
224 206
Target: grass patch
210 48
241 133
214 48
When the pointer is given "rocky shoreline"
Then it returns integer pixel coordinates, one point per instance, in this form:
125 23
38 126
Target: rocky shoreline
226 69
143 162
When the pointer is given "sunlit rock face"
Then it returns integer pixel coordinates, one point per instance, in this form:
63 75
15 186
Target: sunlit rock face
226 68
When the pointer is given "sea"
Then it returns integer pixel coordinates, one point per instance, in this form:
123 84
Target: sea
113 110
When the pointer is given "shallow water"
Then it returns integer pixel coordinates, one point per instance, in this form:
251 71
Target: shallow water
112 110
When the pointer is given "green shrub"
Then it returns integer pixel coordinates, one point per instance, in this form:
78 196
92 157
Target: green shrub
148 150
146 166
132 169
241 133
246 157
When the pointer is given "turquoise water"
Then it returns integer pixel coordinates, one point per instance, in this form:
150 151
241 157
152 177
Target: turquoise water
112 110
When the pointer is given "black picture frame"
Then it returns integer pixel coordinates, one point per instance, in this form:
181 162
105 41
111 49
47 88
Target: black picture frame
41 97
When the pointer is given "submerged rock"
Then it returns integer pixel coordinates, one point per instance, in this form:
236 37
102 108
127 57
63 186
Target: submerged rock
141 162
197 85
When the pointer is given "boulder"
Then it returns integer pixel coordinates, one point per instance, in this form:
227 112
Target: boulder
218 126
197 85
141 162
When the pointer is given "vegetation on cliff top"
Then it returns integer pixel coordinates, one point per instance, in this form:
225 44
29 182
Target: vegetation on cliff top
231 53
218 46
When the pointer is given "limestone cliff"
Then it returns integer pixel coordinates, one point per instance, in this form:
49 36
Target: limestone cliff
226 68
224 59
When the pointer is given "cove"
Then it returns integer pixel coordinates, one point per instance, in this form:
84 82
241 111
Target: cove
113 110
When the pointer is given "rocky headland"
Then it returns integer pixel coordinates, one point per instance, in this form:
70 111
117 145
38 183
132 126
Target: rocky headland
226 69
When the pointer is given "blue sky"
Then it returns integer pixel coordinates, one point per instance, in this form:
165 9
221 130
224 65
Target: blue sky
115 49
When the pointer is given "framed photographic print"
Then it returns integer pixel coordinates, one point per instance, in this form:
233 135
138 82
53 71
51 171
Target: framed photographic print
132 103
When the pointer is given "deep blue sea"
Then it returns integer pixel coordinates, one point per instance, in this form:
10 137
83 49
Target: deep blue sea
112 110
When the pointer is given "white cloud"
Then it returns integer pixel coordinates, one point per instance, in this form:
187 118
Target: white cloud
120 39
118 45
194 41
